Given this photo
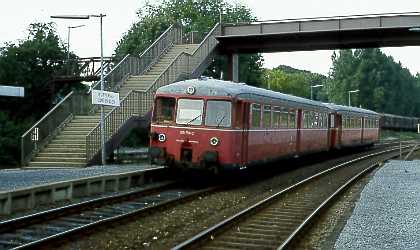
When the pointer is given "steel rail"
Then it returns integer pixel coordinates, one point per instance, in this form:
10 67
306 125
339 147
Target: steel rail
323 205
233 220
55 215
26 220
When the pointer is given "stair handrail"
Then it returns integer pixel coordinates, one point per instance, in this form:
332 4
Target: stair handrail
94 85
186 57
47 127
180 65
113 121
136 65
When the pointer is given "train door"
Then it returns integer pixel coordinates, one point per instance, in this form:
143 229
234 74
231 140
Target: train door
362 127
339 129
332 131
245 132
298 134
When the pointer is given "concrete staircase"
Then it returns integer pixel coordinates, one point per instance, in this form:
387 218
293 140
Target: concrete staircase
68 148
142 82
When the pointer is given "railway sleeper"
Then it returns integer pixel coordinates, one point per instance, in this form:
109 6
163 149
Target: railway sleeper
270 223
248 240
236 245
279 218
262 229
240 234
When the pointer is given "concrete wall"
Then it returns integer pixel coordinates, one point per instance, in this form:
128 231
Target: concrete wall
30 197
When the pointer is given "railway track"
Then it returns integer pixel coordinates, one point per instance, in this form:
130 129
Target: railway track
63 223
37 230
277 221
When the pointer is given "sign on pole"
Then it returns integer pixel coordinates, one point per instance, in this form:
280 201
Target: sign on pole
105 98
12 91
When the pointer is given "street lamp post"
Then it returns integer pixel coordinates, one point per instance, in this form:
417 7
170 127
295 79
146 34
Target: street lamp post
102 125
68 43
312 87
352 91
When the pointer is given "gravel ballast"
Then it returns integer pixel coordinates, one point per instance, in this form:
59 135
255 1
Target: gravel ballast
387 216
11 179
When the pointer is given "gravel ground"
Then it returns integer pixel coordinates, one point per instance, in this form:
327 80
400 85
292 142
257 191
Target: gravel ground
387 216
11 179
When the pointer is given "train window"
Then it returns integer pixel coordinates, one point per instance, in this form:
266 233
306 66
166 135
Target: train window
276 117
256 115
284 117
218 113
292 118
164 110
306 119
325 120
189 112
267 116
314 120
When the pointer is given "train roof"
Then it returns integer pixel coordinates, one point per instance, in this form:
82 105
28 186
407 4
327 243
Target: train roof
349 110
399 116
214 87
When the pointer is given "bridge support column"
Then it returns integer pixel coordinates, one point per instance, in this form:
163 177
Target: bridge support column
233 67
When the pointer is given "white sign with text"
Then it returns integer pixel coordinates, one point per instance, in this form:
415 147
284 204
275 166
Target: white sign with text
12 91
105 98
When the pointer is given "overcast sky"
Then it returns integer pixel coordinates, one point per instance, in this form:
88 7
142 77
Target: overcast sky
16 15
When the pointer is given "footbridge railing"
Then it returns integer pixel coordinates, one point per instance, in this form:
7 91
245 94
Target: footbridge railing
138 103
137 65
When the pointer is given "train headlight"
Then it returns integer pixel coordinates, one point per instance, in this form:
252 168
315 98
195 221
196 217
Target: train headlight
161 137
214 141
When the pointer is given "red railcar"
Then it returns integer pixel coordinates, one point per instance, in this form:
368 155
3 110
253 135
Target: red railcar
213 124
352 127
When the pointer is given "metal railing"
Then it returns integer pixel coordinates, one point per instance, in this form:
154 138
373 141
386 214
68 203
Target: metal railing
82 67
50 124
138 103
133 65
129 107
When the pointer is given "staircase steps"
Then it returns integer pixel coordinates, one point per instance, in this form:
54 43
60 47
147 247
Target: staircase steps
68 148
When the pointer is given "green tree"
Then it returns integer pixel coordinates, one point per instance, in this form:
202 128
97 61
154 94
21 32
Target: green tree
194 15
385 85
293 81
31 63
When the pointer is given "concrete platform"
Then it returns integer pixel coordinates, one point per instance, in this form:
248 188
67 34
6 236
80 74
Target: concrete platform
387 215
25 189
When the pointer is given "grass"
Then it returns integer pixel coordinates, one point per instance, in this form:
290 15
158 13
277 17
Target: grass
404 135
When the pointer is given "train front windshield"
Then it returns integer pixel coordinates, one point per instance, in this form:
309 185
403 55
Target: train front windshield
189 112
164 111
218 113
